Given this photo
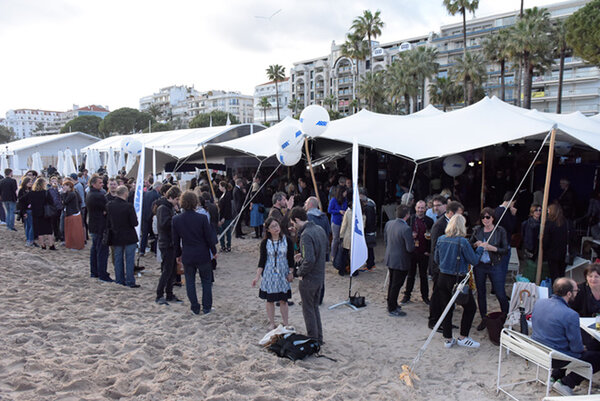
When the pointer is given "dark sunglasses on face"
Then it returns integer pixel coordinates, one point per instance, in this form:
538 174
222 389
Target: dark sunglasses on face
538 210
486 217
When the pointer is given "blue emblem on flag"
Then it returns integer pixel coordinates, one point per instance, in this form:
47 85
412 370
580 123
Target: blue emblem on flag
356 229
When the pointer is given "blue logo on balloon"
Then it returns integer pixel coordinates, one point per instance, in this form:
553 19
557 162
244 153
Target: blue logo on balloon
298 133
285 144
322 123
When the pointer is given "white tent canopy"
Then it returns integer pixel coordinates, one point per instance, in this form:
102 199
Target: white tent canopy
595 118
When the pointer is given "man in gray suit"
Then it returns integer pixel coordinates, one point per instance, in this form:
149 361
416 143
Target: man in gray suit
400 244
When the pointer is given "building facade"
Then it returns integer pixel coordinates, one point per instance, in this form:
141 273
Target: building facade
169 102
30 122
269 114
234 103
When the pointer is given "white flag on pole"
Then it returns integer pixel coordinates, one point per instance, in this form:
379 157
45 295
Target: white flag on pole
139 192
358 248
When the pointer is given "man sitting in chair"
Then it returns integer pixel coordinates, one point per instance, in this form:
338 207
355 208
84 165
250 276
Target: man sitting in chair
557 326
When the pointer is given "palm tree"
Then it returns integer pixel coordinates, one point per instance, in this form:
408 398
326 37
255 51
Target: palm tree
559 37
354 105
531 40
420 64
264 104
154 111
356 49
368 25
398 85
470 69
276 73
496 49
462 6
444 91
329 101
370 87
294 105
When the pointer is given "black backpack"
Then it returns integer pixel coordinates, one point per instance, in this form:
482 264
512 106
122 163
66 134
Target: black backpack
294 346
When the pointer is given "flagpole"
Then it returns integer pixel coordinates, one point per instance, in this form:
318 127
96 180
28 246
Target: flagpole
312 173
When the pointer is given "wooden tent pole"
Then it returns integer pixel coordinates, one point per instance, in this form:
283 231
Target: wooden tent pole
538 275
312 173
212 189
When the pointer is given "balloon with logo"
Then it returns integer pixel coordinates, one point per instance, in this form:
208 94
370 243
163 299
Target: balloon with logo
454 165
290 139
133 147
562 148
289 158
314 120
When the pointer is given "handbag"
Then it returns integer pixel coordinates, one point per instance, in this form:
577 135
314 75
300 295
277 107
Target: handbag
49 211
107 237
357 300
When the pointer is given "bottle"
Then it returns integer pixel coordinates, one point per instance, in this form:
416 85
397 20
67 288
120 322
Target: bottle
598 321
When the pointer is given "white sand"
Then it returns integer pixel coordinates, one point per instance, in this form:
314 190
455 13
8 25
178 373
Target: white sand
66 336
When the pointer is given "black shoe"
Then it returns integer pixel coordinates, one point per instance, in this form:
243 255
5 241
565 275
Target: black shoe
397 313
240 237
196 312
482 325
44 247
405 300
107 280
35 245
174 299
177 284
93 275
426 300
290 303
134 286
228 249
161 301
138 268
223 249
52 248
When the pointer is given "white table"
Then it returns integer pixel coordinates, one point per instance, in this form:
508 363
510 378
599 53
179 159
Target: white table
577 263
585 322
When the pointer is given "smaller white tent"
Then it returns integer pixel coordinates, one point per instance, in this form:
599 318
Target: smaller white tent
595 118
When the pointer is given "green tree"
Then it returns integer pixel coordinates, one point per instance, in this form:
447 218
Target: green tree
470 69
368 25
400 85
582 32
559 38
121 121
371 88
264 104
422 63
329 101
159 127
445 92
6 134
294 105
154 110
276 73
462 6
530 37
356 49
496 49
334 115
87 124
219 118
143 120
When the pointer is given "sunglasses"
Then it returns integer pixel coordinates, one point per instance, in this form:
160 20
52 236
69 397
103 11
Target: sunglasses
538 210
486 217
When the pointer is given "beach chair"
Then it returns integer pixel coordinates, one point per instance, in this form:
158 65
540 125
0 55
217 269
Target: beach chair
539 355
595 397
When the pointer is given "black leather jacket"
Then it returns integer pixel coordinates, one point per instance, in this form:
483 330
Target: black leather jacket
498 240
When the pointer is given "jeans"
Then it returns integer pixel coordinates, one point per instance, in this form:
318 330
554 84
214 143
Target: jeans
335 239
206 274
29 227
2 214
370 257
482 271
397 278
167 275
227 234
10 214
98 258
419 262
125 276
310 293
443 293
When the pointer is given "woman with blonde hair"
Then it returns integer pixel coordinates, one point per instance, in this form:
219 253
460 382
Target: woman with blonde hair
454 254
42 211
74 235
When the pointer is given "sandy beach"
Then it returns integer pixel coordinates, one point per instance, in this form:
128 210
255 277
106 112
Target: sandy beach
66 336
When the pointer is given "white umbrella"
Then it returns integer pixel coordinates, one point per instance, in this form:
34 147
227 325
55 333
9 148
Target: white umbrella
36 162
90 162
130 162
15 164
60 164
111 166
3 163
69 167
97 159
121 162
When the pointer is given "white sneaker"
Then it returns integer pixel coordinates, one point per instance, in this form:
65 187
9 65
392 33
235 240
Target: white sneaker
2 223
448 343
468 342
562 389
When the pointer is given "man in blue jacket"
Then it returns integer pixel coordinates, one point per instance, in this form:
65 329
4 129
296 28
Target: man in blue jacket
194 240
557 326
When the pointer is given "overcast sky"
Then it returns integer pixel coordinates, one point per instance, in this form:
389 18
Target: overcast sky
112 52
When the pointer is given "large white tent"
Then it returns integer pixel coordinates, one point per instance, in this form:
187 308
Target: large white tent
47 146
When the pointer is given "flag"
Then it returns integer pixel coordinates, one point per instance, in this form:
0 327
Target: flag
358 248
228 120
210 121
139 192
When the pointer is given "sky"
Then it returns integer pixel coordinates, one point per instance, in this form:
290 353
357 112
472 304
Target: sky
113 52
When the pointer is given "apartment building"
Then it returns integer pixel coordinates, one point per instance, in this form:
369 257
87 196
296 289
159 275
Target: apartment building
268 90
30 122
235 103
170 101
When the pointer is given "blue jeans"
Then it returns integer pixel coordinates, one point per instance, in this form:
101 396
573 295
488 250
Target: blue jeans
498 279
29 227
227 234
10 214
125 276
206 276
98 258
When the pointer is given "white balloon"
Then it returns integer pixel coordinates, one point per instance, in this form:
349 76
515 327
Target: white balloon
288 158
133 147
314 120
562 148
124 144
454 165
290 139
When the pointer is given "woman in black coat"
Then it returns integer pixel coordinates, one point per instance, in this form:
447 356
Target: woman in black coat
556 238
225 214
38 198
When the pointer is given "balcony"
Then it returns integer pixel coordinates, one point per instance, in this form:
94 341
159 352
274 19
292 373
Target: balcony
568 75
552 94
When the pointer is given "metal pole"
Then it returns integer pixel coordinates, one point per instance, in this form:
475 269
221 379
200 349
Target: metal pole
482 180
312 173
538 275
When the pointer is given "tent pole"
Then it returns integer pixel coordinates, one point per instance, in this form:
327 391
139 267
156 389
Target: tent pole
153 164
364 172
538 275
482 181
413 178
312 173
212 189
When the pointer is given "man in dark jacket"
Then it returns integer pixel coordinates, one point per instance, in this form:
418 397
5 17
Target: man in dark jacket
194 240
370 227
121 221
421 227
96 206
149 198
313 247
400 244
319 218
167 207
8 194
238 201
